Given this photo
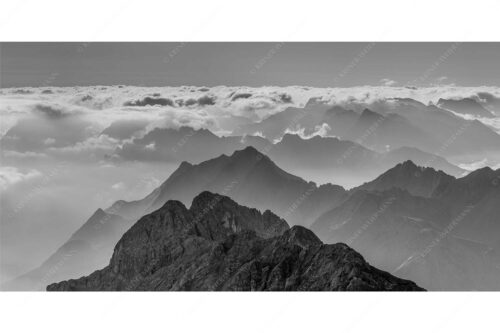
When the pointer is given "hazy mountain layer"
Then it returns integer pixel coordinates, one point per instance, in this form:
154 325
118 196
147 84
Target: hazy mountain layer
88 249
465 106
249 177
321 159
439 231
395 123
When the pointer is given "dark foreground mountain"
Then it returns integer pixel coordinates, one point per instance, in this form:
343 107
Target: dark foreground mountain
247 175
220 245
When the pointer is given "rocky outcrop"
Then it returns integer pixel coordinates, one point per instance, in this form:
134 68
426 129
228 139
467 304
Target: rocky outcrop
220 245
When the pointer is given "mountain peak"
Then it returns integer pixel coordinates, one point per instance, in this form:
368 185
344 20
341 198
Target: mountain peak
368 114
417 180
301 236
247 153
408 164
247 150
208 199
98 214
185 164
485 173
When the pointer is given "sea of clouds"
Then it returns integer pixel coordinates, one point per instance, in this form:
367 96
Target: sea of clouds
68 122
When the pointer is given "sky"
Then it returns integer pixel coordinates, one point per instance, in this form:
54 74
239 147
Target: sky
249 64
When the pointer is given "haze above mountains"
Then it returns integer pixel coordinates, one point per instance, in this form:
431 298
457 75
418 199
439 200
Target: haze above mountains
401 180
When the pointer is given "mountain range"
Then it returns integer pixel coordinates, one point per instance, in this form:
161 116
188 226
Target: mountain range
321 159
421 223
398 202
408 217
219 245
393 124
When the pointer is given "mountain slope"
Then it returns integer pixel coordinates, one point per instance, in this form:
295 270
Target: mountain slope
465 106
474 197
412 237
452 135
429 227
419 157
87 249
274 126
379 131
219 245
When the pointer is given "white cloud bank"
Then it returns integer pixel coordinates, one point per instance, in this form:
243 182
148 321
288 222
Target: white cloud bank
11 175
133 111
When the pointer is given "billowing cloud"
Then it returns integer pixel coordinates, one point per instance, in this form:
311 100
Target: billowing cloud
206 100
388 82
118 186
474 165
150 101
12 175
320 130
53 111
71 119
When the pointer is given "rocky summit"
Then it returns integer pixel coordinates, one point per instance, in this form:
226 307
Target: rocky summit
219 245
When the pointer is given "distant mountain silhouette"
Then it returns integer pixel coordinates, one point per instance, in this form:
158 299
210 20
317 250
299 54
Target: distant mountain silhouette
450 135
249 177
416 180
465 106
419 157
402 122
183 144
274 126
220 245
322 159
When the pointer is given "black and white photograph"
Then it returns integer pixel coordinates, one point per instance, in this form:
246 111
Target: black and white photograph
272 168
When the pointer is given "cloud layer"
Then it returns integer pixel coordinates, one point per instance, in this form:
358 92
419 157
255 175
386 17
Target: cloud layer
90 122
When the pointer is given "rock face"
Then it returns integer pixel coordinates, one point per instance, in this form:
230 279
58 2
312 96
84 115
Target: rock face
220 245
